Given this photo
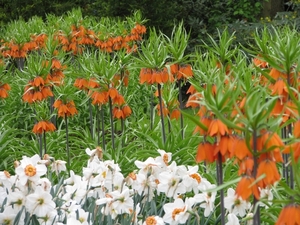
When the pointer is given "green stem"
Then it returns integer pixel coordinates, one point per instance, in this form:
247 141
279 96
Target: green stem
98 126
45 143
67 141
53 118
220 182
151 110
289 130
41 145
161 114
111 123
91 117
103 128
122 132
181 107
256 216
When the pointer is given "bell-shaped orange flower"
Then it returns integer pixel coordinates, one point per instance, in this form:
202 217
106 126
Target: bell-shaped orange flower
185 71
275 74
217 129
99 98
290 111
113 93
205 152
240 149
38 81
193 100
247 187
289 215
279 88
293 148
81 83
146 76
296 130
259 62
118 113
160 76
278 108
126 110
205 120
191 90
246 166
119 100
175 114
267 167
4 88
43 126
225 146
269 144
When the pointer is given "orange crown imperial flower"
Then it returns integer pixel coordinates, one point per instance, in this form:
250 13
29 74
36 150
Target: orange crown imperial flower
247 187
43 126
217 129
289 215
3 90
65 109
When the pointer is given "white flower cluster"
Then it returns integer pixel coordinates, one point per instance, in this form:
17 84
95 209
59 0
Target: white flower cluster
103 195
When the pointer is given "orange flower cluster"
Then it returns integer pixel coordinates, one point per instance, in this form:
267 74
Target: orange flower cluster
224 141
56 74
284 106
230 144
21 50
81 37
121 110
4 88
43 126
181 71
65 109
100 95
154 76
37 90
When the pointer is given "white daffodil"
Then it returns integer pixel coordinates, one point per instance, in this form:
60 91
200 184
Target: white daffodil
81 215
73 179
108 208
191 178
30 169
235 204
144 185
16 198
58 166
232 219
49 218
6 180
150 220
177 212
207 199
123 202
45 183
40 202
8 215
164 158
171 184
266 195
150 166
